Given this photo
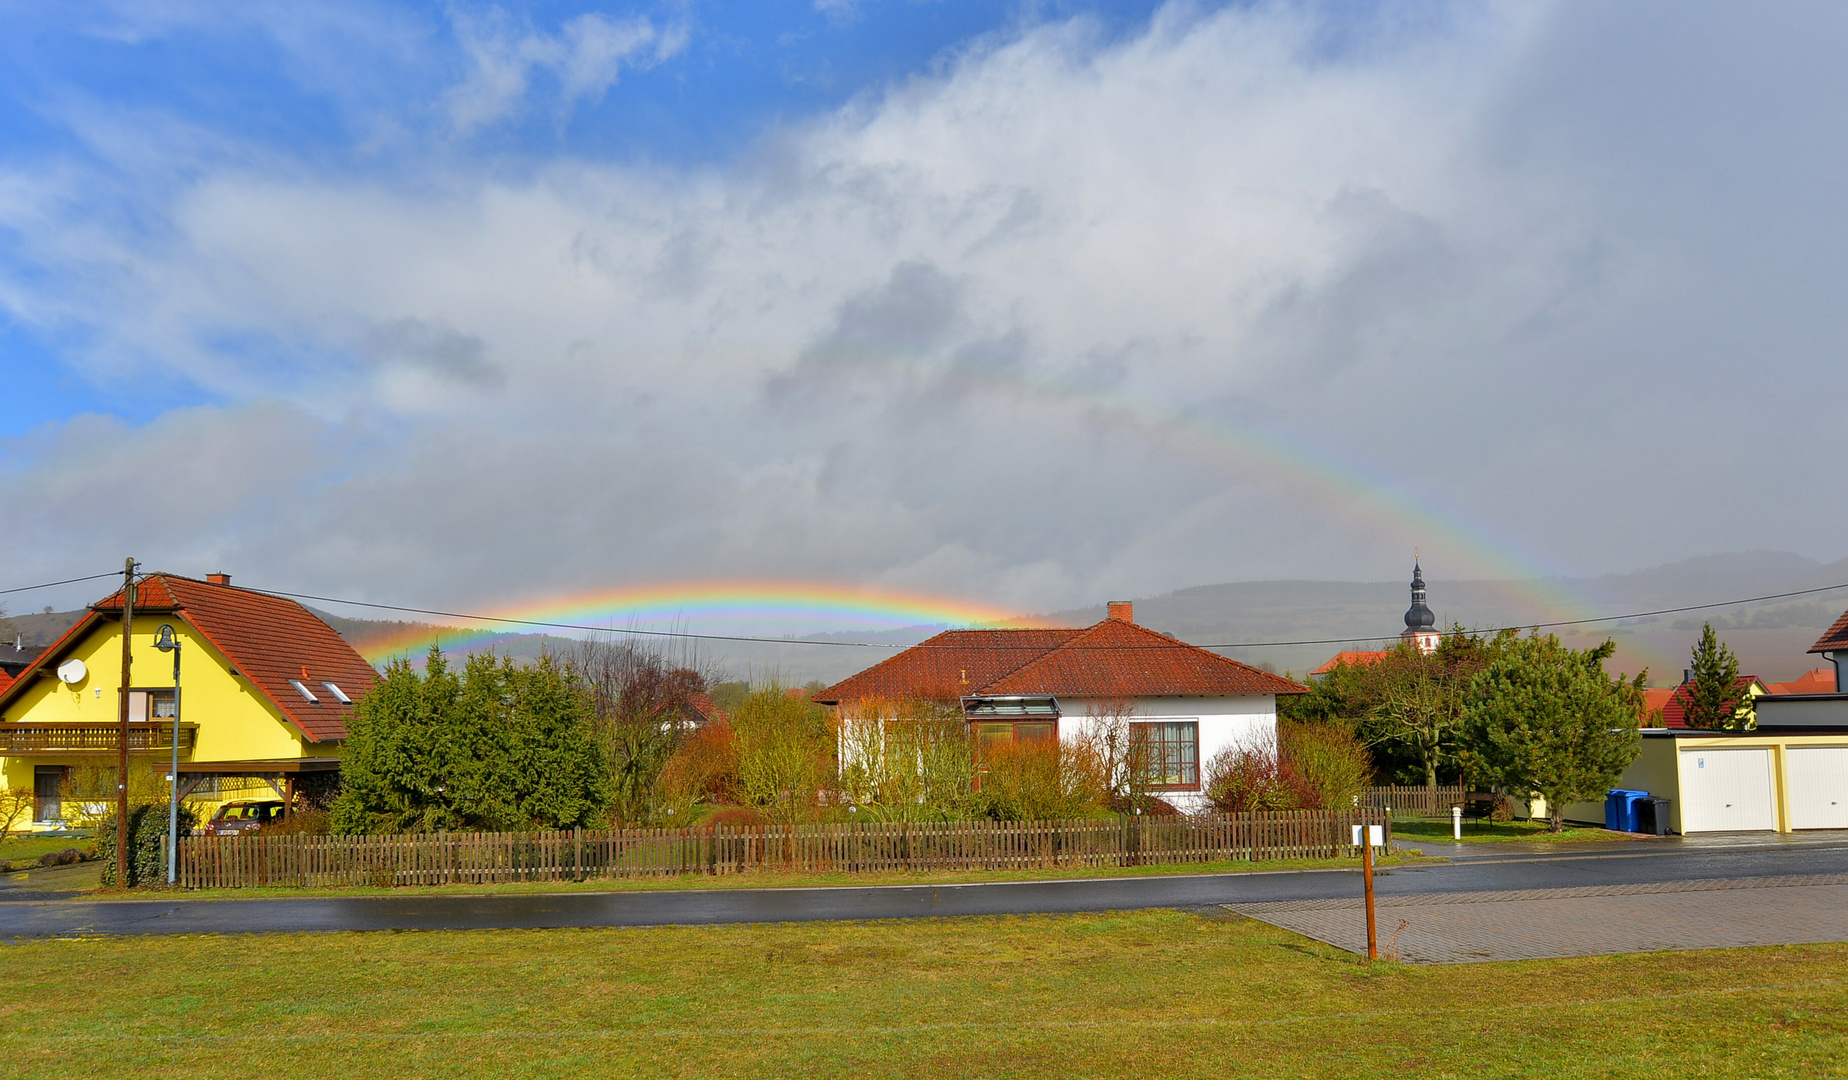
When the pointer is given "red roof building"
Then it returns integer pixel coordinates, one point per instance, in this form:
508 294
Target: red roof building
1814 681
1351 657
1026 684
1675 707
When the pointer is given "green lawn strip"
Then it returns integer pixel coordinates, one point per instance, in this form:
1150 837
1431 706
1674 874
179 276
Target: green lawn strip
1128 995
22 848
1503 832
771 880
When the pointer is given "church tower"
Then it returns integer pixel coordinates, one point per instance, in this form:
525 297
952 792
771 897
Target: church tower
1420 624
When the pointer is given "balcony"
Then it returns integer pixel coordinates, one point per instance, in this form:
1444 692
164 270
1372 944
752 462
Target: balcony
18 740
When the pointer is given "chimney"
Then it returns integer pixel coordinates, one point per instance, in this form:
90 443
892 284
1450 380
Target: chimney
218 579
1687 674
1123 610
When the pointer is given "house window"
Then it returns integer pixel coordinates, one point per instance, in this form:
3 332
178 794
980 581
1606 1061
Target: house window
145 705
1173 748
989 733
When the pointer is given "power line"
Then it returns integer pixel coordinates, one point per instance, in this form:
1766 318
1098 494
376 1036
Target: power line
51 584
542 624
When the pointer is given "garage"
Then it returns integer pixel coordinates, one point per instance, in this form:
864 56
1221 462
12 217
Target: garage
1727 791
1816 779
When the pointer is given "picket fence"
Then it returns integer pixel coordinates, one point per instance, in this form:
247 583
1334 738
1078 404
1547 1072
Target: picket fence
217 862
1415 800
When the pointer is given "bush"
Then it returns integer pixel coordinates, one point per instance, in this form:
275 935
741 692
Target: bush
309 822
1044 780
147 833
1332 764
703 770
1244 779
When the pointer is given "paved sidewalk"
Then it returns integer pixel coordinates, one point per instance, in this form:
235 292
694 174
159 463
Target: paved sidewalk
1531 924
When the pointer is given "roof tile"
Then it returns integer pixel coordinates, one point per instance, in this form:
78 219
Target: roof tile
269 639
1113 658
1836 637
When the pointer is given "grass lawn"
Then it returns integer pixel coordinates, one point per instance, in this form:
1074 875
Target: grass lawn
1158 993
773 880
1501 832
21 848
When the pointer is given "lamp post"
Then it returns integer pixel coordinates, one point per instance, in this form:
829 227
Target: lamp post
166 642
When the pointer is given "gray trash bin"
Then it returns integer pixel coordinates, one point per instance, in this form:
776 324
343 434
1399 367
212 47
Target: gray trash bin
1652 815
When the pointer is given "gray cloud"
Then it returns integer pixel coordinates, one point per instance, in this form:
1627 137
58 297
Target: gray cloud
1063 320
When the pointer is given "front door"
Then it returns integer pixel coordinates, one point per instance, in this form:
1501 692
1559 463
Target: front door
46 779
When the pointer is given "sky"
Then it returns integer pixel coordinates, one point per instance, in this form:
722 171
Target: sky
1024 304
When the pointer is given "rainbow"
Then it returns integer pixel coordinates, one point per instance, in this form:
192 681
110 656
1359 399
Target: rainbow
1362 499
754 608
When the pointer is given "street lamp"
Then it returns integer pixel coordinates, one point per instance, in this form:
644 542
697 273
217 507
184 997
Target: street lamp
166 642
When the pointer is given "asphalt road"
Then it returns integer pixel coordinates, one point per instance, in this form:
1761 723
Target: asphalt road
1477 868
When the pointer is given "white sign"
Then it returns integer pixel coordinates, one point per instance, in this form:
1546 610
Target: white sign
1376 835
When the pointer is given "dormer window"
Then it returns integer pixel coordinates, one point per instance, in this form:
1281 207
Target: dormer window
339 694
304 691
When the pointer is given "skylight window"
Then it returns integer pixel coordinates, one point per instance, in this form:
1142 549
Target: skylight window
339 694
304 691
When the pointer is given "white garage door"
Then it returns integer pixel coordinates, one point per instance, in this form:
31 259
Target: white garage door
1726 791
1818 779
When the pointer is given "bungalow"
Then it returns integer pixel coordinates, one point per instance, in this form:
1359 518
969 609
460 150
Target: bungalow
1788 771
266 687
1029 684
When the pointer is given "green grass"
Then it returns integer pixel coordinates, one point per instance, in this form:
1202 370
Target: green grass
773 880
22 848
1140 994
1502 832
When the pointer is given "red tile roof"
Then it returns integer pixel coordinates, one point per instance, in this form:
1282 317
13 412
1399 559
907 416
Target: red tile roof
1353 657
1817 681
267 639
701 709
1654 701
1113 658
1836 637
1675 709
5 681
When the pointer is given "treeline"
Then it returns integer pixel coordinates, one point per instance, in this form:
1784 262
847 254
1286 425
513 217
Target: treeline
1526 713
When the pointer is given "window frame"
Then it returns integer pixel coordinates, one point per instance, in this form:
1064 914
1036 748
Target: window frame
1139 731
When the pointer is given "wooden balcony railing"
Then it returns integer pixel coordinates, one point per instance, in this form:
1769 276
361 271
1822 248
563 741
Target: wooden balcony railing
17 739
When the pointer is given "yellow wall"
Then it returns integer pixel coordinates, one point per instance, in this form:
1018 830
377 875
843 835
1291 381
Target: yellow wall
234 721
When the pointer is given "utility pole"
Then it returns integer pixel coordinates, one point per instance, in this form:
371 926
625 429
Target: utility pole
128 624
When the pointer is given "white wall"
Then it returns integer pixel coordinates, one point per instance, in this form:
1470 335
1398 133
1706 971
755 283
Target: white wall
1225 722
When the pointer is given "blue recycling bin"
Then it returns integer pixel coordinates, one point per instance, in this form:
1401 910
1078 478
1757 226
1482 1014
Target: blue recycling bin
1620 809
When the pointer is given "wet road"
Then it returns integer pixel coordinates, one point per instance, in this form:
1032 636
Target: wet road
1479 868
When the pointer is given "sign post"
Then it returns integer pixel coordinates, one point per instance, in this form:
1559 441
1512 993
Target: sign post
1365 836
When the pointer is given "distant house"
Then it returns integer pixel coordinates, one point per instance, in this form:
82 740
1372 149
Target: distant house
1833 646
1813 681
1350 658
266 691
698 710
1029 684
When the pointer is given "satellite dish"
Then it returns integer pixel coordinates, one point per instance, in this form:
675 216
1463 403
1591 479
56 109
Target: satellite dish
72 671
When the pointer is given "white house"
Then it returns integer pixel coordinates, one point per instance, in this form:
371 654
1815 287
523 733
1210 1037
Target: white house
1187 703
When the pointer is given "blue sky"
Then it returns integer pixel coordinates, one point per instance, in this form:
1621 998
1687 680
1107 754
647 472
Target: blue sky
471 302
318 85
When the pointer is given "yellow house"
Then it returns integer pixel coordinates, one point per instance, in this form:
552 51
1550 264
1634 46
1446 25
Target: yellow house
266 689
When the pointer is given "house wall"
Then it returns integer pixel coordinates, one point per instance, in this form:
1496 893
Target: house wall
235 722
1225 722
1655 770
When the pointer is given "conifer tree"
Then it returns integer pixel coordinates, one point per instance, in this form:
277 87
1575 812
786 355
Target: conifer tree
1711 697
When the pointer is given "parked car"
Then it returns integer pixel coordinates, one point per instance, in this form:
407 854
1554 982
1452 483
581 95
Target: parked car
243 816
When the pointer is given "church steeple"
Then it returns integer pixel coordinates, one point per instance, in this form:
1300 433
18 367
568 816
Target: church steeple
1420 622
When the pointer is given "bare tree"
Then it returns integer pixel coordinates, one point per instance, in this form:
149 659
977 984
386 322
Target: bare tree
906 759
639 699
1123 757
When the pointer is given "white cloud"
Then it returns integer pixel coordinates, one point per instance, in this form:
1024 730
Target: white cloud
587 55
947 337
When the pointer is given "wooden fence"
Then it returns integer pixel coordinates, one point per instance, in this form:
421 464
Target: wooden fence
1415 801
212 862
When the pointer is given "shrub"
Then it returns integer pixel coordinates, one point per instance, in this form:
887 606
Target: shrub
1332 765
1040 780
1252 777
703 770
310 822
734 816
147 832
906 759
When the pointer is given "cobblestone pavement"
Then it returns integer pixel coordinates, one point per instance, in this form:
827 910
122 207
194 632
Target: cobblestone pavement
1531 924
